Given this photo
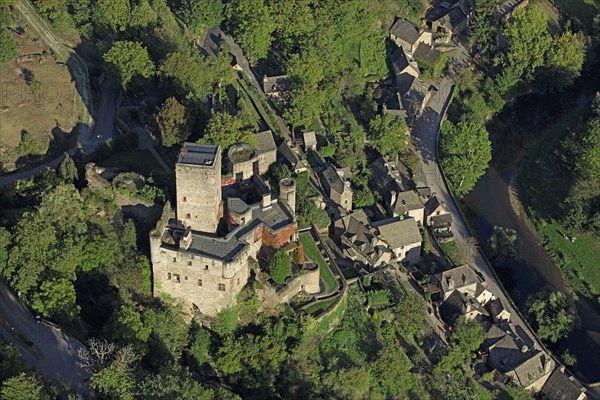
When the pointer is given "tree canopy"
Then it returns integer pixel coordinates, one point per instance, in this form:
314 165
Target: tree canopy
466 151
280 267
252 25
129 60
172 122
552 315
225 130
390 134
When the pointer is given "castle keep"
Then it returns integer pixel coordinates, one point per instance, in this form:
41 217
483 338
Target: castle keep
201 254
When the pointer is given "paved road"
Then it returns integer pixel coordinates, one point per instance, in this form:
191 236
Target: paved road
53 353
425 134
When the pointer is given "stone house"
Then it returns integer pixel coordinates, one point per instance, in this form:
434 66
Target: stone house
403 238
408 35
438 217
359 242
461 304
310 141
533 373
403 67
449 18
461 278
337 188
498 312
561 387
291 157
407 204
277 87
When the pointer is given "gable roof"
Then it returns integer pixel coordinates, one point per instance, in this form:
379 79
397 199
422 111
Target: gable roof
288 154
427 54
560 387
265 141
457 278
433 203
407 201
405 30
454 18
362 239
310 138
400 233
443 220
532 369
458 304
496 307
333 179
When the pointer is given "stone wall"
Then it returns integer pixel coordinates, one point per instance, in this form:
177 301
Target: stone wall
199 195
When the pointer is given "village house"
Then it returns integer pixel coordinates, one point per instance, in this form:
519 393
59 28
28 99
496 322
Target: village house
310 141
461 304
498 312
291 157
405 70
449 18
438 217
461 278
407 204
337 187
408 35
560 387
245 160
533 372
359 242
403 238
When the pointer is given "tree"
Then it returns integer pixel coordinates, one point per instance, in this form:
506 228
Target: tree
142 14
568 359
564 60
466 151
466 338
172 122
552 315
225 130
129 59
8 47
114 13
11 361
363 198
348 383
23 387
201 14
56 299
68 170
251 23
503 242
390 134
280 267
5 241
483 29
528 41
200 343
190 71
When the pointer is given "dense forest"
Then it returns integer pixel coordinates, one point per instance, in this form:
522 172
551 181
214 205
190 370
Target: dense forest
75 259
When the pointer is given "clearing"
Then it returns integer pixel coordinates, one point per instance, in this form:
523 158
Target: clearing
39 103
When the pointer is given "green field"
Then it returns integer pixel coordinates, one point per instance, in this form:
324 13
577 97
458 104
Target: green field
311 251
140 161
317 308
543 185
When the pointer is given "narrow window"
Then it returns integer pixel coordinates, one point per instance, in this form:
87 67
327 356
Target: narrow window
184 198
188 216
185 278
206 267
221 287
200 282
189 263
238 281
177 278
174 259
168 275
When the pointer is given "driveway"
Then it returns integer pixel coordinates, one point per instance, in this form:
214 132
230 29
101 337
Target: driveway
44 347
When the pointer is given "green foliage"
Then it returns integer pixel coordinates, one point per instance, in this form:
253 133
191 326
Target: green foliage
199 343
568 359
281 171
503 242
8 47
173 384
552 315
280 267
466 152
363 198
11 361
564 60
56 298
390 134
433 70
251 23
464 341
68 170
225 130
201 14
379 298
327 151
128 60
114 13
484 28
23 387
172 122
227 320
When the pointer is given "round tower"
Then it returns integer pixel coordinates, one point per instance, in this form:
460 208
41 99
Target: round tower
287 192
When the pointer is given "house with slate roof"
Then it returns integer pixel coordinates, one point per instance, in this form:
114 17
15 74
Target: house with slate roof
337 188
403 238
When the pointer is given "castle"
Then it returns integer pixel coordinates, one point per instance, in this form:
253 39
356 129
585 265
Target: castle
202 254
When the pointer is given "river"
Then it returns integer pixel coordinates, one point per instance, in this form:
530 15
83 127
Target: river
494 201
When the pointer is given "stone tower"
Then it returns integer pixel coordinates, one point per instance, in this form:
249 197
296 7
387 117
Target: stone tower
198 184
287 193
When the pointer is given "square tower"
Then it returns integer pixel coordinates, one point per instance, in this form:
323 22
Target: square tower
198 184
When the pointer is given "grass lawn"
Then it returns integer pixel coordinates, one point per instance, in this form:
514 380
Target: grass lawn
584 10
318 307
311 251
543 185
450 249
140 161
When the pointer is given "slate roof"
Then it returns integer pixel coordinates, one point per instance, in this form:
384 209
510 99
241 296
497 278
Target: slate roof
560 387
454 18
198 154
405 30
443 220
532 369
407 201
334 181
433 203
505 354
393 105
288 154
265 141
496 307
427 54
461 276
362 238
458 304
399 60
399 234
